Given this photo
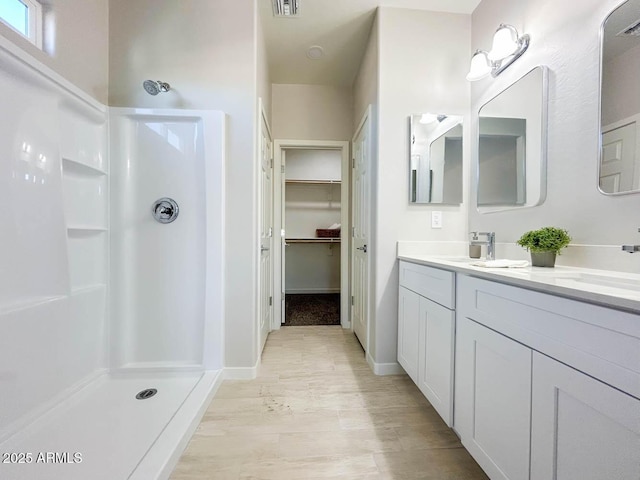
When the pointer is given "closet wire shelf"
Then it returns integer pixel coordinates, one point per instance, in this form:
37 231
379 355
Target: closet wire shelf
314 182
312 240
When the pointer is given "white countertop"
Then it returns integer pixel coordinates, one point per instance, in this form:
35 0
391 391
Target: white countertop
612 289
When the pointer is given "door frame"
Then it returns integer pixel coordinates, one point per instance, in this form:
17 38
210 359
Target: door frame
279 147
262 116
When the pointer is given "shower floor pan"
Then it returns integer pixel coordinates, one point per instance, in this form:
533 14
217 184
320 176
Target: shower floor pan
103 432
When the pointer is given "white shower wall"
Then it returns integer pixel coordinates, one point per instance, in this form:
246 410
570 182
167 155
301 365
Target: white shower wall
159 271
53 278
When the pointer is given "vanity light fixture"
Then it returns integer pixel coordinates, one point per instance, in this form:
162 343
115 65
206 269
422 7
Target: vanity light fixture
507 47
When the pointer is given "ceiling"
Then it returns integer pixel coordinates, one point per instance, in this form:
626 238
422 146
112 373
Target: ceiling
340 27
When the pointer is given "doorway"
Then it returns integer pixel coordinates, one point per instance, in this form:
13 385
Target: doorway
312 202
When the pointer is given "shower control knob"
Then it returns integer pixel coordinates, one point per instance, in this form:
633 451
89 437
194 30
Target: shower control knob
165 210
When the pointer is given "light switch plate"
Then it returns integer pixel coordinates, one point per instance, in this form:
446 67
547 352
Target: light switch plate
436 219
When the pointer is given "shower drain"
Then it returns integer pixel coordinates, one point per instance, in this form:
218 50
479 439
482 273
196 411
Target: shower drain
147 393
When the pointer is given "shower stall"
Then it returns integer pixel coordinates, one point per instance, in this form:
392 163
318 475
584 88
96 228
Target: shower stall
111 279
165 277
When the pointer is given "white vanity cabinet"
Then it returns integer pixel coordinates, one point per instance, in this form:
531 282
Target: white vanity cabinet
581 428
426 326
493 400
546 387
409 332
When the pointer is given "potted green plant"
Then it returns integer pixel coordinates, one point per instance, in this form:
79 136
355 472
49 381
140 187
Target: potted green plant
544 244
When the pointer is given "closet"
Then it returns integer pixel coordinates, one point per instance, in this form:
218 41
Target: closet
312 223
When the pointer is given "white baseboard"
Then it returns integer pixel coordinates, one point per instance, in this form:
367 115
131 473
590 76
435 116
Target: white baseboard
242 373
384 368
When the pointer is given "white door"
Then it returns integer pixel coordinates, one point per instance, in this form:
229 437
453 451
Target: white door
266 232
581 429
618 158
360 243
493 400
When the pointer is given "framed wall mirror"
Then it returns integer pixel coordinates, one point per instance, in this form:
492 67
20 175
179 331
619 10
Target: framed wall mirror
512 145
619 159
435 163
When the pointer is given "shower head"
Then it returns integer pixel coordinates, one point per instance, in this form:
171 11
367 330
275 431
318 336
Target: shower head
154 88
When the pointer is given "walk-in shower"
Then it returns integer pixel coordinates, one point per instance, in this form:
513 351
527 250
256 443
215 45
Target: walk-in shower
111 304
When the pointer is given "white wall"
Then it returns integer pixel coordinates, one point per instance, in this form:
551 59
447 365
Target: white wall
80 43
264 80
565 37
309 207
313 165
207 51
320 272
312 112
366 84
423 60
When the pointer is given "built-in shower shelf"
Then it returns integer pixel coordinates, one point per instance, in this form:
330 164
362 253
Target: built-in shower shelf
84 229
81 168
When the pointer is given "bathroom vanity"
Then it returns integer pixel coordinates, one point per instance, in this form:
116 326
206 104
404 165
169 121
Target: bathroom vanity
537 370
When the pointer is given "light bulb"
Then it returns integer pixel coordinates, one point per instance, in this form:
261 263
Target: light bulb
505 43
480 66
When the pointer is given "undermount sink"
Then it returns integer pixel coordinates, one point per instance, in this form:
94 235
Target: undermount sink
458 259
611 282
468 261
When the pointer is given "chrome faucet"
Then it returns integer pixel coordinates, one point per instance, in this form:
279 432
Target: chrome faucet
490 242
631 248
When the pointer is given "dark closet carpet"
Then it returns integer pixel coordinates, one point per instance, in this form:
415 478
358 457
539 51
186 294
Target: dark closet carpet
312 309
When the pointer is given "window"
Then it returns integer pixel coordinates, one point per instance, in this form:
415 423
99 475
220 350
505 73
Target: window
23 16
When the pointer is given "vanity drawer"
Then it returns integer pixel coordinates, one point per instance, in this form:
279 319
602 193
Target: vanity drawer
432 283
599 341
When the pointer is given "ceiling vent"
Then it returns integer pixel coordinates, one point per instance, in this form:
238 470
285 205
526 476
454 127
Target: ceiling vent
631 31
285 8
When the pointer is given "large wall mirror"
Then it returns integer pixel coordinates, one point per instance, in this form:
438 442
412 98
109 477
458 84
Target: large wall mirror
512 151
435 164
619 168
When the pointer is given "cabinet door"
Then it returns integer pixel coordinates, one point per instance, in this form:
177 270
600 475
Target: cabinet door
435 372
493 400
409 331
582 429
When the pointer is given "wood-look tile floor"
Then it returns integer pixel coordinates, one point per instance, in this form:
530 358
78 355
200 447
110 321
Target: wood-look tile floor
316 411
